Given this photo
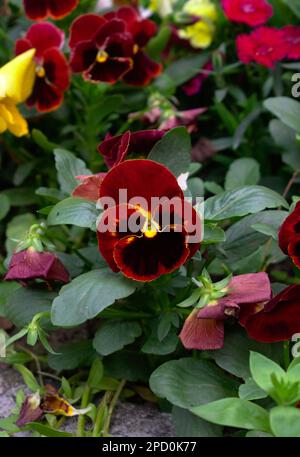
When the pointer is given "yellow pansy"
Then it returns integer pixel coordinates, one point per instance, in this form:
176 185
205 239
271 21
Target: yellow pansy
200 33
162 7
16 83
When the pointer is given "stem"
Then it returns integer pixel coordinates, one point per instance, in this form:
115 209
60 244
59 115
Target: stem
81 418
290 183
37 363
112 407
286 354
101 412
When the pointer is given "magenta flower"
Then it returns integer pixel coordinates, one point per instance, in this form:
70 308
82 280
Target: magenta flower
186 118
31 264
204 328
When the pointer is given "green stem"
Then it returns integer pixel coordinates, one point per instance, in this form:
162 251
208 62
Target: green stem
84 403
112 407
101 414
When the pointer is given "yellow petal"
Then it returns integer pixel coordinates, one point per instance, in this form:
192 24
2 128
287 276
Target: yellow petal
11 119
200 34
17 77
201 8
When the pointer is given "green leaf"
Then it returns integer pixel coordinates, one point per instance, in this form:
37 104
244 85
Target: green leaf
213 234
72 355
4 206
160 347
17 230
114 335
262 369
25 303
74 211
294 6
234 412
158 43
129 365
243 127
45 430
242 201
189 382
68 166
22 196
285 421
187 424
88 295
251 391
266 229
7 288
41 140
95 374
286 109
28 377
242 172
173 151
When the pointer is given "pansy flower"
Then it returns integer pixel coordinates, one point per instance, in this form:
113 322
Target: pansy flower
109 48
30 264
116 148
289 236
204 327
154 231
277 320
16 83
250 12
291 36
264 45
56 9
52 70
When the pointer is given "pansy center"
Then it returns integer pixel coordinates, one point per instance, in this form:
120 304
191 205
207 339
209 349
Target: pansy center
40 71
102 56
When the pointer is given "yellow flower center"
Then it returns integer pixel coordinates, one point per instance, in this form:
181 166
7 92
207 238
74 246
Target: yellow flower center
135 49
40 71
102 56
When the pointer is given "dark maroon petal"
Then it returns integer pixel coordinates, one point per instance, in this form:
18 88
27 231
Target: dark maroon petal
84 28
294 250
109 71
108 29
30 410
22 46
202 334
145 259
289 229
143 71
83 56
35 9
61 8
57 69
143 31
45 96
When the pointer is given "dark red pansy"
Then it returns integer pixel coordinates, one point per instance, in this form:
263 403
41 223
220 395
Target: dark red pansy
101 49
30 264
52 70
89 188
108 48
204 327
251 12
56 9
160 242
116 148
291 35
194 85
264 45
289 235
277 320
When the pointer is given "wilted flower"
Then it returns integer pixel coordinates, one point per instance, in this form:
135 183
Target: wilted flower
52 70
264 45
276 320
203 14
89 187
116 148
16 83
30 264
110 47
204 328
154 249
56 9
186 118
251 12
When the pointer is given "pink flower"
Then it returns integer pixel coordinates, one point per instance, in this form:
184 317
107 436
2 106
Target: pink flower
204 328
194 85
264 45
186 118
89 187
251 12
291 36
31 264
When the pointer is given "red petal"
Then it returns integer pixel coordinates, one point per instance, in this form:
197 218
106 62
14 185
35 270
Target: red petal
22 45
109 71
84 28
202 334
90 186
45 35
250 288
289 229
143 71
57 69
108 29
141 178
83 56
294 250
46 96
58 9
279 320
35 9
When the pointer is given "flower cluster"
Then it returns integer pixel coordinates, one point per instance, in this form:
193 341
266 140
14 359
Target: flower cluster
109 48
